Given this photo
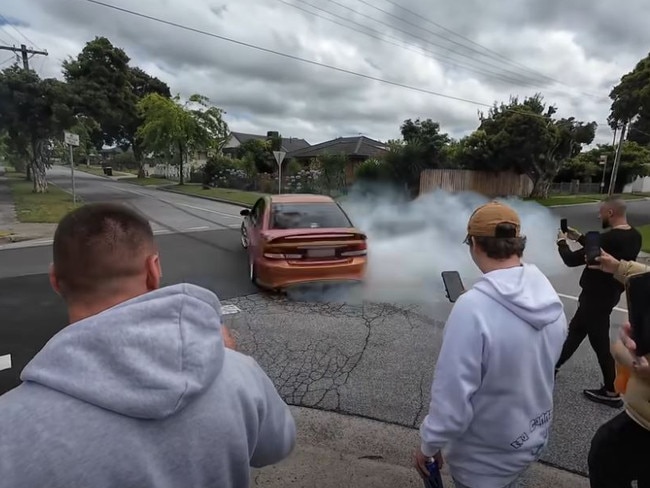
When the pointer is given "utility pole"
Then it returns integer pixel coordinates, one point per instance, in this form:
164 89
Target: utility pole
617 160
24 51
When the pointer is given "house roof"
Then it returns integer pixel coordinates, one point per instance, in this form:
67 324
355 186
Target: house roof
289 144
350 146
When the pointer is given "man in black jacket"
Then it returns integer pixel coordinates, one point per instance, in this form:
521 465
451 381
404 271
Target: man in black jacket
600 294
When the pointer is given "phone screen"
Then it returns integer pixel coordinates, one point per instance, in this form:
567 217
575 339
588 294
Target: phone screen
638 305
564 226
453 285
592 246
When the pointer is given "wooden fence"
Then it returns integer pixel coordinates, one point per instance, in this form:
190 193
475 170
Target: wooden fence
488 184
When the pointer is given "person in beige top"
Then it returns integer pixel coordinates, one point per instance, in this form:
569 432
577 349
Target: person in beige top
618 453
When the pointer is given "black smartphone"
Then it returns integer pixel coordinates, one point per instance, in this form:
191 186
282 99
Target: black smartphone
453 285
592 246
564 226
637 291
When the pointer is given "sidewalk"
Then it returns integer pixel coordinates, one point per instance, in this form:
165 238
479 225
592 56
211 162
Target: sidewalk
340 451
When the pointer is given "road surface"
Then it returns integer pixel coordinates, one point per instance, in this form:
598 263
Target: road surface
373 360
168 212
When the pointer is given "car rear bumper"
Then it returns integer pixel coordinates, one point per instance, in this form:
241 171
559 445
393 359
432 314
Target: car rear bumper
278 274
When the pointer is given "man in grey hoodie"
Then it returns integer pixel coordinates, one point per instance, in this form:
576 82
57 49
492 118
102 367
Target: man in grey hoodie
139 390
492 394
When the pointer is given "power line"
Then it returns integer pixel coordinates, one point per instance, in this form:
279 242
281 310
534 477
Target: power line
305 60
29 41
494 54
407 46
423 39
7 60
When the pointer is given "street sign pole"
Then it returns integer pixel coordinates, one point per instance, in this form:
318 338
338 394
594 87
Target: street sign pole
279 157
603 162
72 140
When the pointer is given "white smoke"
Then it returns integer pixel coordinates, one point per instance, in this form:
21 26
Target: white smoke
411 242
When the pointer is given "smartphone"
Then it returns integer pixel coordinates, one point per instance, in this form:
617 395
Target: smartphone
637 291
453 285
564 226
592 246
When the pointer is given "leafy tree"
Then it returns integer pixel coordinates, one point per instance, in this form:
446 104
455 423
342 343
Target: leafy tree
34 112
635 161
425 134
631 102
525 138
169 125
109 91
332 167
258 153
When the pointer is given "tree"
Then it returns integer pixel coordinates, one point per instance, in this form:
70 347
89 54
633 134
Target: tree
631 102
34 113
258 152
109 91
523 137
170 125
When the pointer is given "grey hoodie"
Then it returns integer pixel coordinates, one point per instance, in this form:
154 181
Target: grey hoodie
492 395
142 395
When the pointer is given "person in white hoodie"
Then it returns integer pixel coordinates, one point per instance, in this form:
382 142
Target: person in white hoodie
492 394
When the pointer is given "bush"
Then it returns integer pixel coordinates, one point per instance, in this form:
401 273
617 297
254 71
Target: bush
371 170
125 160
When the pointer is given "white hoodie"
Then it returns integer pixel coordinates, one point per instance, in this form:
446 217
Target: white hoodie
492 393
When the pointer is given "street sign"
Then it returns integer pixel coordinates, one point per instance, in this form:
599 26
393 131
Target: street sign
71 138
279 156
603 159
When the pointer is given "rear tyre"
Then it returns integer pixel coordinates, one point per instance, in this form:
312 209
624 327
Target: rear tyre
252 271
244 237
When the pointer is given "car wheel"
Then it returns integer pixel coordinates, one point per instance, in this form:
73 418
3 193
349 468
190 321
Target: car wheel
252 271
244 237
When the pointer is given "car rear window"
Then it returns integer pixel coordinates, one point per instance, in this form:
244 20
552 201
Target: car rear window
308 216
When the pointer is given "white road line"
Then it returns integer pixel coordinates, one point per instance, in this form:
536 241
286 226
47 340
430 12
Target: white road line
575 299
210 211
5 362
191 229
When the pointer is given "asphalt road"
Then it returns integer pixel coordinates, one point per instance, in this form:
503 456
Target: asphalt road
168 212
373 360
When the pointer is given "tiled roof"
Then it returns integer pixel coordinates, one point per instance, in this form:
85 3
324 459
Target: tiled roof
350 146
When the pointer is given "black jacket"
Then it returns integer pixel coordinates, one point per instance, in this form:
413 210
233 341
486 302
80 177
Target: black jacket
623 244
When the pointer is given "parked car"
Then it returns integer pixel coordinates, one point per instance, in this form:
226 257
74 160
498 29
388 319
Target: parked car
296 239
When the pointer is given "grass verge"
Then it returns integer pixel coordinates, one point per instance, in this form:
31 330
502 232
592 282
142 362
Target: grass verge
235 196
578 199
147 181
32 207
645 233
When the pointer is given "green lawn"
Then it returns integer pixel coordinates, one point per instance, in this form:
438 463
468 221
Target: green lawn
645 232
148 181
577 199
235 196
32 207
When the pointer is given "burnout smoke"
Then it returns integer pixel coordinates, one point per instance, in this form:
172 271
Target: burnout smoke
411 242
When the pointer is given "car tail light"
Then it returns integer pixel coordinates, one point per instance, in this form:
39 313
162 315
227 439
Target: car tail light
355 250
271 253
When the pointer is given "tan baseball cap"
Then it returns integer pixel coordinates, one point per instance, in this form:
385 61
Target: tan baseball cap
486 218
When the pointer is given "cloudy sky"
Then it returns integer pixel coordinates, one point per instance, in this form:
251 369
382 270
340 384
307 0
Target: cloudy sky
571 51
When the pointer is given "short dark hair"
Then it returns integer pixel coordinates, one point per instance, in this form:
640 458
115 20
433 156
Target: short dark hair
502 247
97 245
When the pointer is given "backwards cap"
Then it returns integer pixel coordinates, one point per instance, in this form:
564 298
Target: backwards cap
486 218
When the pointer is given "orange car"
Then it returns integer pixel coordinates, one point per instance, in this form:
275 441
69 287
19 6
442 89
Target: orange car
297 239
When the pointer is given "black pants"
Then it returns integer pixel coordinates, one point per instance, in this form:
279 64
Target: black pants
619 454
592 320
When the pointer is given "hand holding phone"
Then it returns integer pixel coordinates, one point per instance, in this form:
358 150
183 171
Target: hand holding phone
453 285
564 226
637 291
592 247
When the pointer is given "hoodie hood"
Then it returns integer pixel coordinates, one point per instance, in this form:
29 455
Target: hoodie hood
145 358
524 291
